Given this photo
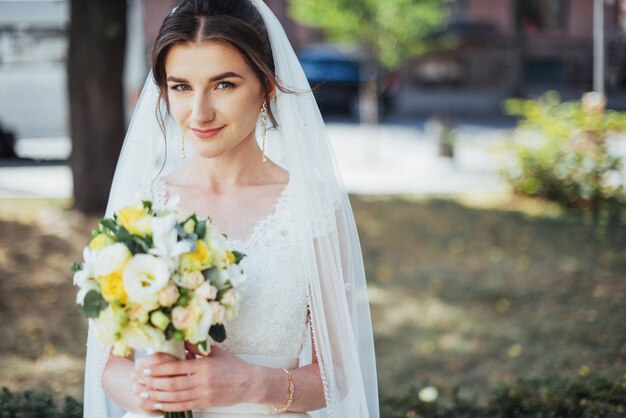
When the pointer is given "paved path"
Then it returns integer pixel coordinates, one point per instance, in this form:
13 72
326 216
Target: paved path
398 158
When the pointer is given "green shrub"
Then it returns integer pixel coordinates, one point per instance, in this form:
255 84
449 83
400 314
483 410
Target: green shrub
562 152
541 398
28 404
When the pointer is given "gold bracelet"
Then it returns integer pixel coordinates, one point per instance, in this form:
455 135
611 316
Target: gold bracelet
292 389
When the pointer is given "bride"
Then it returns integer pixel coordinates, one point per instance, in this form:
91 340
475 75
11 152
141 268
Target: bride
223 74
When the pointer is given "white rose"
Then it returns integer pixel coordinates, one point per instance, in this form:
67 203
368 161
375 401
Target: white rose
89 259
221 278
231 312
218 244
219 313
165 240
192 280
235 275
144 276
230 298
207 291
202 320
142 336
168 295
182 317
138 313
107 327
111 259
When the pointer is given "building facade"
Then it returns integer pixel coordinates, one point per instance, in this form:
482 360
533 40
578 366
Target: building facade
523 48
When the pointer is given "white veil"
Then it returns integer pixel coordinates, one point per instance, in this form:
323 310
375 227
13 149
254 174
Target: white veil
340 315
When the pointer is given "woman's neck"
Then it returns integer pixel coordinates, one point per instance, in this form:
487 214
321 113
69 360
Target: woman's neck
239 166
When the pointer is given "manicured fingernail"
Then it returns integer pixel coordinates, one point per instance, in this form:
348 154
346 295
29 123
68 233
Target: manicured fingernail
144 395
141 381
158 406
147 372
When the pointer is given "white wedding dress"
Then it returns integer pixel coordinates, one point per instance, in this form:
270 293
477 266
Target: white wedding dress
272 327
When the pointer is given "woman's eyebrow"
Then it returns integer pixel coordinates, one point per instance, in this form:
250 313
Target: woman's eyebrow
225 75
212 79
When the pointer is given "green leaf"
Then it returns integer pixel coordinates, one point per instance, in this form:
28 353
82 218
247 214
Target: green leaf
202 347
93 304
169 332
122 235
210 274
147 205
201 229
181 232
182 301
220 293
143 244
218 333
238 256
75 267
109 224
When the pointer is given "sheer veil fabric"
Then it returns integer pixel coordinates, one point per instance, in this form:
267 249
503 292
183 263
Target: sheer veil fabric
340 321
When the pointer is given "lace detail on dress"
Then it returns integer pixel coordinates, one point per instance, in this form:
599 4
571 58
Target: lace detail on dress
273 316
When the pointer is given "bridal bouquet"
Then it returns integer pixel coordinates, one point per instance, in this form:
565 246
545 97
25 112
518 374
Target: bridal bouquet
151 280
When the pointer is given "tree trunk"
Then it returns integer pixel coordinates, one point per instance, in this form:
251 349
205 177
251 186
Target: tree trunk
96 96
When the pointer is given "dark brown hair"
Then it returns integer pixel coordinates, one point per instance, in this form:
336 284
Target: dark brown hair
236 23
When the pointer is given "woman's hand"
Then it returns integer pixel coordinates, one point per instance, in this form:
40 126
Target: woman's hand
139 379
220 379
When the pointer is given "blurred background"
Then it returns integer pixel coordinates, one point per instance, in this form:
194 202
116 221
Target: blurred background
483 145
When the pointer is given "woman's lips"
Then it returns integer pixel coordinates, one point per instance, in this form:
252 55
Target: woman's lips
206 133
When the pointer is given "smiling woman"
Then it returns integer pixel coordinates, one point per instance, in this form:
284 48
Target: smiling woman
213 93
302 343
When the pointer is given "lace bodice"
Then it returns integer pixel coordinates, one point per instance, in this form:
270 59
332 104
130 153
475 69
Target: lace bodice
272 318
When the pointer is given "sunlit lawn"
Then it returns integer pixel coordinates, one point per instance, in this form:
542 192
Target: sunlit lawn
463 293
477 296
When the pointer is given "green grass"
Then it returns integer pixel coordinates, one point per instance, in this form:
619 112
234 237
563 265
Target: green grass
474 293
477 297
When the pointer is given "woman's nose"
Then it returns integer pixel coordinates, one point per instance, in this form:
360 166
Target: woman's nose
202 111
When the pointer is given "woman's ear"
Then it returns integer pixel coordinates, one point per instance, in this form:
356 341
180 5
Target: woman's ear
272 93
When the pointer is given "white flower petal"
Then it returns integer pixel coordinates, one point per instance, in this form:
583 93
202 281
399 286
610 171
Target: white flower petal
84 289
144 276
110 259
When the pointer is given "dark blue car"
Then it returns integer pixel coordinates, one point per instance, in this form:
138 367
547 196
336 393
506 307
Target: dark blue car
336 76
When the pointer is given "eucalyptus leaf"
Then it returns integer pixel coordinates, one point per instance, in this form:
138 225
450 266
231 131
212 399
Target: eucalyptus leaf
93 304
201 229
210 274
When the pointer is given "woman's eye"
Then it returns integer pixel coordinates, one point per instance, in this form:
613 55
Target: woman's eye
225 85
181 87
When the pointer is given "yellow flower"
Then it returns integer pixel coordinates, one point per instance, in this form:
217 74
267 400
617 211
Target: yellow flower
199 259
136 220
230 257
113 288
100 241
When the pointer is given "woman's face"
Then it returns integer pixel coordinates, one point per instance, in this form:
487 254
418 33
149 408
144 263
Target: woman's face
214 95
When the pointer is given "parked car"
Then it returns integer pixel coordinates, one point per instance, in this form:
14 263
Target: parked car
336 76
